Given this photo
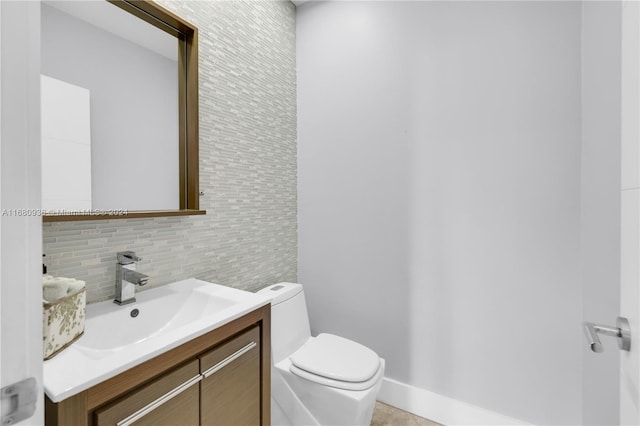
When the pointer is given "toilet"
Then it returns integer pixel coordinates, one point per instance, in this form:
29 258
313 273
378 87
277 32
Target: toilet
322 380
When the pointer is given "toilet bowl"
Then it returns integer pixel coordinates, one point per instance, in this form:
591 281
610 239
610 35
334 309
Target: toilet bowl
322 380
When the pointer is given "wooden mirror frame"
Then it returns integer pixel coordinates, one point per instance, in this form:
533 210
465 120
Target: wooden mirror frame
187 110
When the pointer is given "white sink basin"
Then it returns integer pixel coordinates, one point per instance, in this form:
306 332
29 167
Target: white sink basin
117 338
111 327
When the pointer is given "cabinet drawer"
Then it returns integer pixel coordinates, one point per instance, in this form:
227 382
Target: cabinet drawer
169 400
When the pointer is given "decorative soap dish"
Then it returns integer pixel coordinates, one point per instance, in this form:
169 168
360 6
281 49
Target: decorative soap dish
63 320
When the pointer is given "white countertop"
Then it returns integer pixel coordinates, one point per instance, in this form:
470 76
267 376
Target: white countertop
114 341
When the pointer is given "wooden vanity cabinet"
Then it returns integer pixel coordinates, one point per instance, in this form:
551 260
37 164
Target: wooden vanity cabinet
220 378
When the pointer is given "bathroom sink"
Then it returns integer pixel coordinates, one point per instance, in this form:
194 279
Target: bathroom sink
111 327
117 338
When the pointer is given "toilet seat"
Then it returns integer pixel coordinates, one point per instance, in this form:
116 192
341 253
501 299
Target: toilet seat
337 362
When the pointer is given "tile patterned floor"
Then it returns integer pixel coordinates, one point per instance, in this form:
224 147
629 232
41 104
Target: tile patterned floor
386 415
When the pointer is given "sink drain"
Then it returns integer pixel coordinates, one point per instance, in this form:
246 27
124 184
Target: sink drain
135 313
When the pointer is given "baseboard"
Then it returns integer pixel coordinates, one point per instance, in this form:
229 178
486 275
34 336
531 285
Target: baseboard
441 409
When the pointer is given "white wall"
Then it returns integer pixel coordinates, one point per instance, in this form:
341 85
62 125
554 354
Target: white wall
439 194
600 203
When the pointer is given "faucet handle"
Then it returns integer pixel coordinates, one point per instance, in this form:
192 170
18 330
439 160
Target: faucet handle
127 257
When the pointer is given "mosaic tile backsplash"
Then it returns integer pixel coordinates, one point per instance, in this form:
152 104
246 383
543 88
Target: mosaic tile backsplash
248 238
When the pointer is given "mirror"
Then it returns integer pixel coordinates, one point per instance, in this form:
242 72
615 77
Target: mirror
119 111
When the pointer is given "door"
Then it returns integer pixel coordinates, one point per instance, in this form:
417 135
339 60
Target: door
20 225
630 212
230 391
610 204
172 399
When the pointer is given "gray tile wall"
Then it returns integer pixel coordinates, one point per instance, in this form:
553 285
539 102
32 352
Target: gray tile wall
248 237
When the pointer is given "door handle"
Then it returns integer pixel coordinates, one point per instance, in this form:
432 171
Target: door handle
18 401
622 331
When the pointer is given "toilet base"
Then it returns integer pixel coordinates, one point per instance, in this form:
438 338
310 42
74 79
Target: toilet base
297 401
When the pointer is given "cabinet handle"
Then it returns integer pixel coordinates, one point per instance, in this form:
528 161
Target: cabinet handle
228 360
158 402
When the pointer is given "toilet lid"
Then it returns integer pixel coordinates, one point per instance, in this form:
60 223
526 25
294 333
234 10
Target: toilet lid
337 358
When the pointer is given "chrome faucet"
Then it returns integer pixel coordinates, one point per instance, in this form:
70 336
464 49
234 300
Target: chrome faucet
127 277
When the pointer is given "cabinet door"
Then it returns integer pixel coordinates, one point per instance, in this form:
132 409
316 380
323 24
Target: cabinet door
168 401
230 390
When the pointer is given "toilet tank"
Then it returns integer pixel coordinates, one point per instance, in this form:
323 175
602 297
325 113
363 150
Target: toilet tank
289 319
